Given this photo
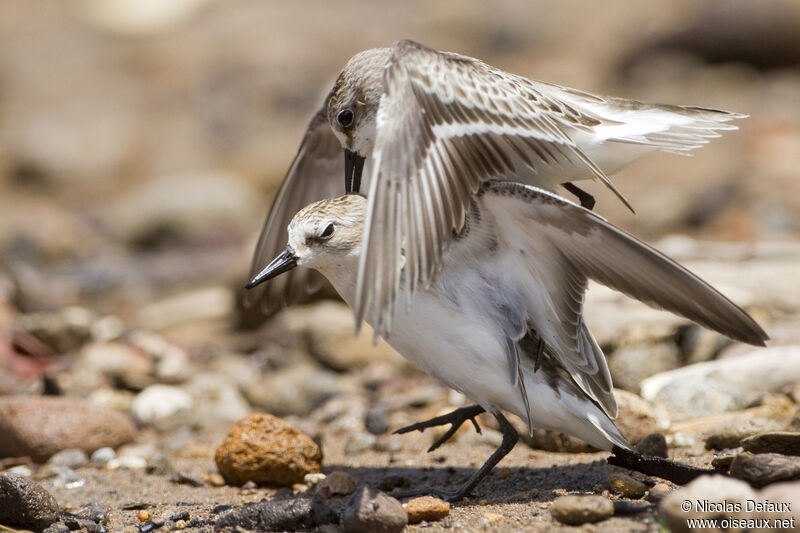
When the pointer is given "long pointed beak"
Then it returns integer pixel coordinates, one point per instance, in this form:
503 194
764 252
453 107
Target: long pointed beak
353 166
286 261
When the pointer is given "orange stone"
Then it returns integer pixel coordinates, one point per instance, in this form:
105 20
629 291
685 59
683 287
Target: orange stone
267 450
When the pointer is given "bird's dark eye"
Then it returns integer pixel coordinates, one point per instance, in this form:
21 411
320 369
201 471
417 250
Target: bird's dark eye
345 118
327 232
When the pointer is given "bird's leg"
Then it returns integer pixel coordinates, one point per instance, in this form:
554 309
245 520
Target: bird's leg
586 199
455 419
510 438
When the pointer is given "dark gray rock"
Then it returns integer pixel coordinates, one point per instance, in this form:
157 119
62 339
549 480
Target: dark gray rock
655 445
25 504
373 511
377 419
292 514
783 442
577 510
765 468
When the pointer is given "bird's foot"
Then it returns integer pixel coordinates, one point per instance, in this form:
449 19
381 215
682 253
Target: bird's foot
455 419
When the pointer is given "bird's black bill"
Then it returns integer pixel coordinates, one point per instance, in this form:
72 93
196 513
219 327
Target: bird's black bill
353 166
283 263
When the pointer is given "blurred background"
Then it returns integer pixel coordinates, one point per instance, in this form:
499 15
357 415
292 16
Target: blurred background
142 141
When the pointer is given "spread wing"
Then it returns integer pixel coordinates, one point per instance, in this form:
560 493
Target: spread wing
315 174
446 123
549 248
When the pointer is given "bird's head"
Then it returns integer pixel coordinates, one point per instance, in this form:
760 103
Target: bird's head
323 235
353 108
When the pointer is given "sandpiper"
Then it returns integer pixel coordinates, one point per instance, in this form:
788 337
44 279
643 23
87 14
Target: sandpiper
434 125
502 320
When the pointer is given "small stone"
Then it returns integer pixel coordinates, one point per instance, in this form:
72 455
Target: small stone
281 515
359 442
783 442
377 419
493 517
426 509
215 480
730 433
577 510
654 445
625 485
658 492
70 458
765 468
162 407
159 465
127 462
185 478
143 515
337 483
180 524
102 456
25 504
372 511
313 478
265 449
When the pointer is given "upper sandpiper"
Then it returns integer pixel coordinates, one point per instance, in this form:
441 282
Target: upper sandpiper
432 126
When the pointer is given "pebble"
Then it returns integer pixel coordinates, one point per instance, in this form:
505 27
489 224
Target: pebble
143 515
294 390
426 509
377 419
783 442
765 468
102 456
658 492
373 511
267 450
121 363
40 426
577 510
313 478
25 504
654 445
215 480
625 485
185 478
159 465
216 397
714 490
162 407
730 433
337 483
359 442
128 462
70 458
723 459
281 515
